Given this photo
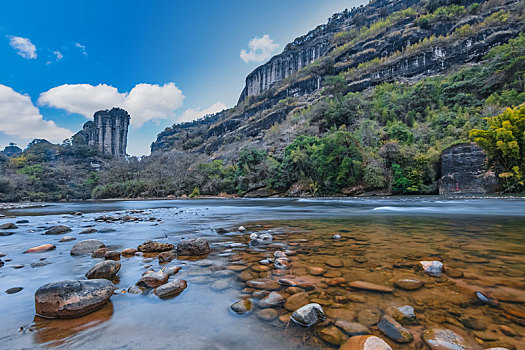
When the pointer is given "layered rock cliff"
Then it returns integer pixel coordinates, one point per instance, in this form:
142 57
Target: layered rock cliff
385 41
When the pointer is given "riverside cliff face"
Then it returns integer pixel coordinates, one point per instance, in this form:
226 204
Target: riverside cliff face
402 51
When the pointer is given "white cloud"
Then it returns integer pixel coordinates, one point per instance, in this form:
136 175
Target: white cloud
144 102
82 48
23 46
58 57
19 117
260 49
192 114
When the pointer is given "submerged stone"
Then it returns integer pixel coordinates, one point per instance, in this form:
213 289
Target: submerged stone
242 307
308 315
87 246
365 342
171 288
392 329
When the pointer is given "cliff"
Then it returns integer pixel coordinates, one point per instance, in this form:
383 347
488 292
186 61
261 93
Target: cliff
385 41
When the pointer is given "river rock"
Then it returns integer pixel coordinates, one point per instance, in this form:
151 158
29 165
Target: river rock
196 246
262 283
432 268
168 256
106 269
135 290
369 317
365 342
487 299
308 315
473 323
409 284
57 230
271 300
8 226
392 329
67 239
152 279
261 268
267 315
87 246
220 285
66 299
171 288
129 252
112 255
334 262
99 253
14 290
352 328
316 271
281 263
171 270
88 230
242 307
296 301
41 248
241 229
154 247
443 339
22 222
403 314
332 335
370 286
1 263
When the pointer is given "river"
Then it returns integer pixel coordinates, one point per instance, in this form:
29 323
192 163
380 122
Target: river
481 242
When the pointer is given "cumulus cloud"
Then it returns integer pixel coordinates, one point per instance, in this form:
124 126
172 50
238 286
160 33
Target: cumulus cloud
58 56
19 117
144 102
82 48
23 46
260 49
192 114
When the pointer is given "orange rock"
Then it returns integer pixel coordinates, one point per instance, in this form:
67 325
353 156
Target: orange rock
365 342
40 248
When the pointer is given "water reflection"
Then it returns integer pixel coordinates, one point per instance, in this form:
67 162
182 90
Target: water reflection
55 332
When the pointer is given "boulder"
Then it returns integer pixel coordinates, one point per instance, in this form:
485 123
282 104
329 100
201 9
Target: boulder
365 342
106 269
87 246
41 248
67 299
171 288
154 247
57 230
196 246
308 315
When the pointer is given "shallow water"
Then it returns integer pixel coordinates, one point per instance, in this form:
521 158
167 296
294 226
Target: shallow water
382 240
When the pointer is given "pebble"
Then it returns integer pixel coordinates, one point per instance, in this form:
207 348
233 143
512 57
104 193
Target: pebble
66 239
369 317
316 271
267 315
409 284
443 339
308 315
352 328
370 286
432 268
473 323
365 342
334 262
41 248
14 290
265 284
332 335
88 230
220 285
242 307
171 288
393 330
296 301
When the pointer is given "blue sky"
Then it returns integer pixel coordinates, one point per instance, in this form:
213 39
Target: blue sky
164 61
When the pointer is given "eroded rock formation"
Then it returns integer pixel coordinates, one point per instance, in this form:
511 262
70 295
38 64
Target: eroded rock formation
463 171
108 132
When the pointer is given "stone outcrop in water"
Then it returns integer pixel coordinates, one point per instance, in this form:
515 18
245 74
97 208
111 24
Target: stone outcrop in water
108 132
464 170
